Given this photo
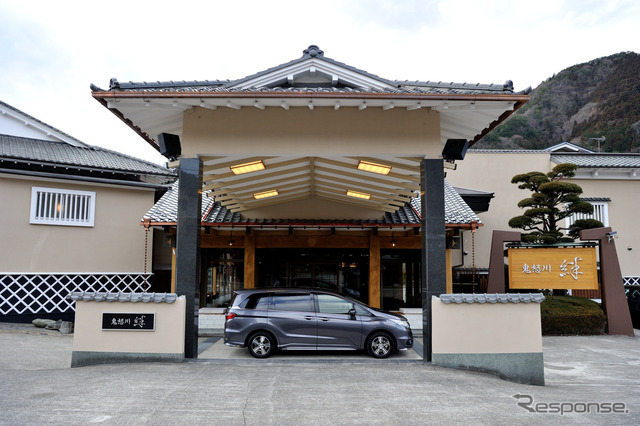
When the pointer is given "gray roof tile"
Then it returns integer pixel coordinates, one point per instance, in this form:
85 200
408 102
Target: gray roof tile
166 211
63 154
96 296
434 88
599 160
395 86
456 211
492 298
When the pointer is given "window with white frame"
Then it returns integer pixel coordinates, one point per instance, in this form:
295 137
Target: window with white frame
50 206
600 212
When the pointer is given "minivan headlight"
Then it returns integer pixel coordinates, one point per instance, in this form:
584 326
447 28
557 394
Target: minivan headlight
401 322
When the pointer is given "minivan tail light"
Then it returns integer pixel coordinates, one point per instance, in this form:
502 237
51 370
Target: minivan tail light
230 315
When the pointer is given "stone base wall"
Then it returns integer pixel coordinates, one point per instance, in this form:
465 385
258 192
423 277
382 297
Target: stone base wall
93 344
497 334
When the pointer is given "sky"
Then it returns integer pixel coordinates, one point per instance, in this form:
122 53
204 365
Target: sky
51 51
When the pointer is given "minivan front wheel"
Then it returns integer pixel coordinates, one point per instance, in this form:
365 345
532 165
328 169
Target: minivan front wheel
261 345
379 345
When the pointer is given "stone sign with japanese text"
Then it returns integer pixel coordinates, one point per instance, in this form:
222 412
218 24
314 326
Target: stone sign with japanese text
128 321
553 268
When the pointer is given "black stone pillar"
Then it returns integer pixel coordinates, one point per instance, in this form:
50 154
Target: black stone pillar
434 259
188 247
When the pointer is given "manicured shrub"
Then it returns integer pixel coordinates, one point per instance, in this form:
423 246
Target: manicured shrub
570 316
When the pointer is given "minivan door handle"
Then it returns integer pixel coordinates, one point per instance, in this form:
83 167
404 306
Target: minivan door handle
323 319
309 318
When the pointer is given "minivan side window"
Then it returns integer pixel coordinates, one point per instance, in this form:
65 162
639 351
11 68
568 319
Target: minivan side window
256 301
328 304
292 302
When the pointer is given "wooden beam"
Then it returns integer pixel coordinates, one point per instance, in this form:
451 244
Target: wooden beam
372 187
350 200
248 194
261 203
367 175
266 174
374 271
387 182
253 189
249 261
388 198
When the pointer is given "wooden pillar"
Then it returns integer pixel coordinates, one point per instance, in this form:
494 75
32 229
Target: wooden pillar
614 300
449 273
173 268
374 271
249 261
496 261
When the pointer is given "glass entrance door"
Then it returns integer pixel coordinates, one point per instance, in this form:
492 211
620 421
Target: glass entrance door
342 271
223 274
400 279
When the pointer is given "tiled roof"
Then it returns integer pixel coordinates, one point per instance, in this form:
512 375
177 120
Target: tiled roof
597 160
236 86
596 199
166 211
505 151
63 154
401 88
96 296
456 211
492 298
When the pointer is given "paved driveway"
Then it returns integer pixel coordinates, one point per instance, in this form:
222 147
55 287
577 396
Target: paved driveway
585 377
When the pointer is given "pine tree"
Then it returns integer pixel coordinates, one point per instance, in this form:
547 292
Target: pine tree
552 200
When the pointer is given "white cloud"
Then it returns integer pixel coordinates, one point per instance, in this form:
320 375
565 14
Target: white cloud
52 51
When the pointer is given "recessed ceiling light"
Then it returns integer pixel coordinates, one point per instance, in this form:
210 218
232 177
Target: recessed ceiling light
254 166
374 167
265 194
357 194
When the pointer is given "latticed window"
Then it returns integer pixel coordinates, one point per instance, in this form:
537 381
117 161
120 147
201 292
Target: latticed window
50 206
600 212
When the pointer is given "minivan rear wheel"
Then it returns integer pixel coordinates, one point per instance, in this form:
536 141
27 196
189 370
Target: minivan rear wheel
379 345
261 344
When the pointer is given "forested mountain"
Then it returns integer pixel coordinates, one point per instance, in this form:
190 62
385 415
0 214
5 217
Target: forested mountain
581 104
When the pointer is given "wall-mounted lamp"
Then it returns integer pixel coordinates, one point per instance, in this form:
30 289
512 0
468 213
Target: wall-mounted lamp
393 241
231 238
611 236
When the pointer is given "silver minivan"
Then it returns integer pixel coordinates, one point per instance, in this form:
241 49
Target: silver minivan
266 320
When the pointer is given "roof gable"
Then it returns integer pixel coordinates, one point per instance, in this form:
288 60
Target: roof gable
17 123
566 147
313 70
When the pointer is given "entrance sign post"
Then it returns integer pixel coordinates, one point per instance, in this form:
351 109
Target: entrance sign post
614 300
188 247
434 262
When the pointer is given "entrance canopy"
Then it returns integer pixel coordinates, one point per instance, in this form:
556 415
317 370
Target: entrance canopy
311 129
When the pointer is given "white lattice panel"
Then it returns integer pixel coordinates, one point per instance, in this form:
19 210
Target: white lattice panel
46 293
631 281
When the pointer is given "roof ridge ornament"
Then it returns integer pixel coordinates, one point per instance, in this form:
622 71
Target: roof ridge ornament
313 51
